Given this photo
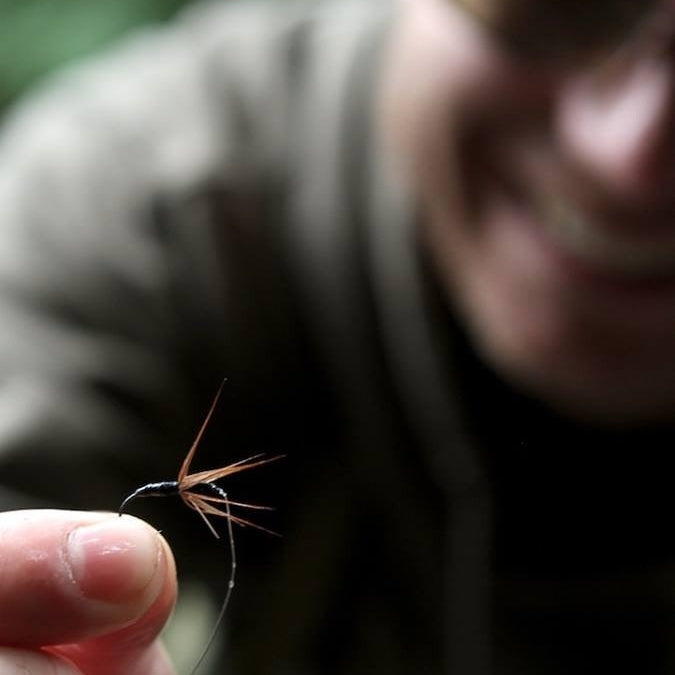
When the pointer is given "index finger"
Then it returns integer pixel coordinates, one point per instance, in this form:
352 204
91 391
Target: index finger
68 577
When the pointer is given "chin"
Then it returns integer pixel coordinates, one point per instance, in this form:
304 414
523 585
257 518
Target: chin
592 383
584 344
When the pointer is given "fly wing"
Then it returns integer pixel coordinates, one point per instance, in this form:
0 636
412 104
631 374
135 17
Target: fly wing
220 500
202 509
199 504
211 475
185 467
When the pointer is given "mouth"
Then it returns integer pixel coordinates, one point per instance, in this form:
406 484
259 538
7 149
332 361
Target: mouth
636 253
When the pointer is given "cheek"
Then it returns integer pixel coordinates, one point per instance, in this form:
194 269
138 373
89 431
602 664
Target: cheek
464 131
445 81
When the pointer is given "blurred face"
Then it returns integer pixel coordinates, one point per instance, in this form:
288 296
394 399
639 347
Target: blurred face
547 194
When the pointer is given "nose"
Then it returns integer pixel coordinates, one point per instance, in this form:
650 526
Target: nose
618 128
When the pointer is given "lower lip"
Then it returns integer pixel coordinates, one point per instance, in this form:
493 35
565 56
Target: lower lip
553 260
600 277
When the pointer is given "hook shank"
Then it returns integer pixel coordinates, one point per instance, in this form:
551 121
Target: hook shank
166 488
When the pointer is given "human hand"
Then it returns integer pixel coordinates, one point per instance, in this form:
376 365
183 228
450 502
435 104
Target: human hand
83 592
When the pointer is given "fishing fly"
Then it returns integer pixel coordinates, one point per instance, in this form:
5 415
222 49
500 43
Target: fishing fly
201 493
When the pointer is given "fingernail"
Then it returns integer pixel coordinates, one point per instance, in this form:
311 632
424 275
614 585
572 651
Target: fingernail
114 560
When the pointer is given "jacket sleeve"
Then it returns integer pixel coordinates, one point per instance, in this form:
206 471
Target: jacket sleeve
98 388
139 259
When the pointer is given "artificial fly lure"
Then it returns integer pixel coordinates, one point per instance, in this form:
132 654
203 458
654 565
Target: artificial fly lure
200 492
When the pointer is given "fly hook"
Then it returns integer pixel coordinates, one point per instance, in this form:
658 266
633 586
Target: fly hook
200 492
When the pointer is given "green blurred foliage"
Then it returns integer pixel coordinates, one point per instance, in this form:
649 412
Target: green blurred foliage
37 36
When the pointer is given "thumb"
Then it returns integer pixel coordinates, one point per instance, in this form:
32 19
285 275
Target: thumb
133 649
92 587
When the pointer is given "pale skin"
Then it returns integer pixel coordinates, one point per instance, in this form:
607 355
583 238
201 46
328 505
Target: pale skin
546 195
83 593
579 325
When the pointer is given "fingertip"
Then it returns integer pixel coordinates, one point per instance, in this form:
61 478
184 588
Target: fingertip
68 576
26 662
116 560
